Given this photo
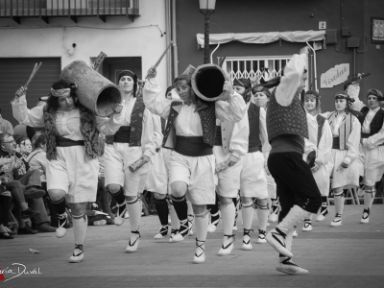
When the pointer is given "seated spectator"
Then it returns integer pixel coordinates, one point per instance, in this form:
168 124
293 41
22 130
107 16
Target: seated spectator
21 180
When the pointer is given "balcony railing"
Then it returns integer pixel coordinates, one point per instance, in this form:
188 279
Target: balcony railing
44 9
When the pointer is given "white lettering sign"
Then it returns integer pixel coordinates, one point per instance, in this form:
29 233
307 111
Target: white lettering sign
334 76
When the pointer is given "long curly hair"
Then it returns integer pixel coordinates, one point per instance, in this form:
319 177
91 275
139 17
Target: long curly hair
92 144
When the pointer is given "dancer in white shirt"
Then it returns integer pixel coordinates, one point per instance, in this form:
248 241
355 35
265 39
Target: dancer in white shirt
345 129
190 132
318 152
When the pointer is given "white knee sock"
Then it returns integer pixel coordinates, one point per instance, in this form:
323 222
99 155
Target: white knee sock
80 229
247 212
134 210
368 200
339 204
295 215
201 225
289 240
228 212
262 218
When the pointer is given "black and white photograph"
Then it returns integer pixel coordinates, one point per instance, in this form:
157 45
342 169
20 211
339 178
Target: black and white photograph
192 143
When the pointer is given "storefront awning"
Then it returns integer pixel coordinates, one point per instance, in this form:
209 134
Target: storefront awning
262 37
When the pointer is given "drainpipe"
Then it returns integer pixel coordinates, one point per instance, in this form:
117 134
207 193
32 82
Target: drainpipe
168 39
314 64
174 40
214 50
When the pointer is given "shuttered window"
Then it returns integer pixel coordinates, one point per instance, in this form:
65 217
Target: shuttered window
14 72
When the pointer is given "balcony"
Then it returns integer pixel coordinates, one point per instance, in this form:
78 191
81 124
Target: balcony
44 9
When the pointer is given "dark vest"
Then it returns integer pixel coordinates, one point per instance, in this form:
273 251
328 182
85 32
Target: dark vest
254 142
320 123
219 137
208 121
283 120
133 132
376 124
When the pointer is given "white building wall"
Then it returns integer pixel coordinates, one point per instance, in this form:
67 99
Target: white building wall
118 37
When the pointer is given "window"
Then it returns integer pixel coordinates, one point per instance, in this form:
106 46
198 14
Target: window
255 68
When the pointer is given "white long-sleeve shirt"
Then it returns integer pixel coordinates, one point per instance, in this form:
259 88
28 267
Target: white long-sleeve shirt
151 131
324 146
67 122
353 140
292 79
377 139
231 110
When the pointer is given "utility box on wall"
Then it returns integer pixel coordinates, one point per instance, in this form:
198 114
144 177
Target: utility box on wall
353 42
331 36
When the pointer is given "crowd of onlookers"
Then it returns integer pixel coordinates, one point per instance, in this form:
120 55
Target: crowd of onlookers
25 207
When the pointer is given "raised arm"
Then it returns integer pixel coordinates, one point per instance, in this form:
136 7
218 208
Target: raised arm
292 80
232 107
153 100
353 91
31 117
110 125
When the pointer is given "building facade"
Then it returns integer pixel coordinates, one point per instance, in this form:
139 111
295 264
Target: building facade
256 38
131 33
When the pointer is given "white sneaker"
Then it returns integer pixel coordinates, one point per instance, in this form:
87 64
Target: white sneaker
337 221
307 226
294 233
163 232
133 242
77 256
176 237
199 255
61 230
246 244
287 266
365 217
276 239
227 245
261 238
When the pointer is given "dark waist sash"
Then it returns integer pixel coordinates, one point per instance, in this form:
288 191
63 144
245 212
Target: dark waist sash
336 143
192 146
65 142
122 135
218 139
254 149
367 135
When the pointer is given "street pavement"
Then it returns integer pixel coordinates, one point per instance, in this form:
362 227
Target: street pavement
348 256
